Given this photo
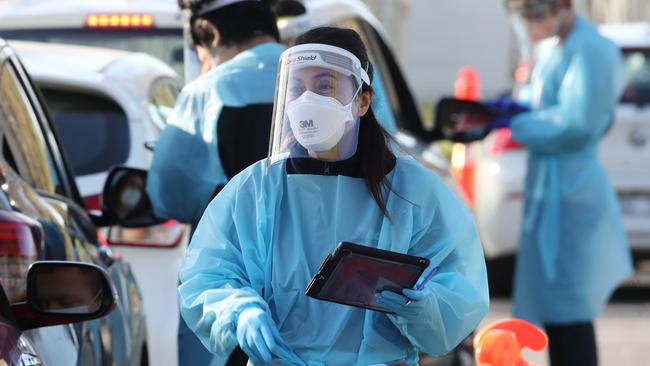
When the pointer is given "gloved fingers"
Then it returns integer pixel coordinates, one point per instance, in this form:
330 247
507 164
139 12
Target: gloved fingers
250 351
272 342
383 301
415 295
276 334
393 297
260 346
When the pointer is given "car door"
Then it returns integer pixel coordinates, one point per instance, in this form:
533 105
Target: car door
393 91
30 149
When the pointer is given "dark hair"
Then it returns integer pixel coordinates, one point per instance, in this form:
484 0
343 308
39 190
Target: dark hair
373 150
236 22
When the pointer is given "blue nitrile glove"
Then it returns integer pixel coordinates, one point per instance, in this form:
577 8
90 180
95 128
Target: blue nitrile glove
258 336
400 304
504 109
506 106
499 122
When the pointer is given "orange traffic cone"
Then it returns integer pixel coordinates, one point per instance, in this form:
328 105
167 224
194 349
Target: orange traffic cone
501 342
467 85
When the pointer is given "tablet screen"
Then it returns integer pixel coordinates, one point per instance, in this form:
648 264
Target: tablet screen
358 277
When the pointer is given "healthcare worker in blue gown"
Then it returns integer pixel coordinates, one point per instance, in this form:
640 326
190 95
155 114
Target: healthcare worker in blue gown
573 251
221 121
330 177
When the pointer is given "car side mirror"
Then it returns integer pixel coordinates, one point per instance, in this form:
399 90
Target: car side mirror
63 292
462 120
125 199
70 290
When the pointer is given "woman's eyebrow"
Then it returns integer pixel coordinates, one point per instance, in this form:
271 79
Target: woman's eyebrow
325 74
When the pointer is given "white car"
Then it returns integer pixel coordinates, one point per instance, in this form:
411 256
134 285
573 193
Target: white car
491 172
105 105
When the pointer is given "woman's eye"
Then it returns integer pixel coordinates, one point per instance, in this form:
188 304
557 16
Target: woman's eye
325 88
296 90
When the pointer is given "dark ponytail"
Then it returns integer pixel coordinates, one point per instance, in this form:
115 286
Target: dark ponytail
373 150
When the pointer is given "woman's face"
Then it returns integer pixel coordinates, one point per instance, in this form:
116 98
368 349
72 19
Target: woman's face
322 81
541 25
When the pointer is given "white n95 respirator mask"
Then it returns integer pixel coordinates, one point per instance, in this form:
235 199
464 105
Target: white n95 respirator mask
318 122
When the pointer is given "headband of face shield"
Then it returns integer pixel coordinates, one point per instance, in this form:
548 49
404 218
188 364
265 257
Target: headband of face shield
530 7
315 111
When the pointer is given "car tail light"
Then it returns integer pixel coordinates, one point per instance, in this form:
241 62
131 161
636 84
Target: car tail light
119 21
93 202
21 241
167 235
503 142
462 169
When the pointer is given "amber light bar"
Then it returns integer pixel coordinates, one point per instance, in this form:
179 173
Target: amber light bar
120 21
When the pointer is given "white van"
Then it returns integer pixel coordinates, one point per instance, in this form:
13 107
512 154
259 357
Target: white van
150 26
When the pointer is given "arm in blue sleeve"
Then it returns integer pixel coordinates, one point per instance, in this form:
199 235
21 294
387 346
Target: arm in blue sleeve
180 181
216 281
587 97
458 294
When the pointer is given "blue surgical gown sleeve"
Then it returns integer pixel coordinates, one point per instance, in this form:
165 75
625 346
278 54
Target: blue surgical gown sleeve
182 176
459 297
214 261
587 95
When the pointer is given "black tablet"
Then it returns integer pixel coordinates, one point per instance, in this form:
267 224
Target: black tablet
353 274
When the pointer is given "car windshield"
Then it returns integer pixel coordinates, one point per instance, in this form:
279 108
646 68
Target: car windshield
164 44
638 88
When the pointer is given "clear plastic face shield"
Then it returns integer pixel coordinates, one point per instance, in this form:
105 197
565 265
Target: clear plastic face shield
316 112
532 21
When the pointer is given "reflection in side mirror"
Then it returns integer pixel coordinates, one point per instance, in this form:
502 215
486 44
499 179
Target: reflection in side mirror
69 290
462 120
125 198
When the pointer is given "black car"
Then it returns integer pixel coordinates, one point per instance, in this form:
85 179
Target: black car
42 217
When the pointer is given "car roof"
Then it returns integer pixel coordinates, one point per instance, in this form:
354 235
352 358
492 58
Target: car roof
72 13
325 12
82 58
628 35
126 76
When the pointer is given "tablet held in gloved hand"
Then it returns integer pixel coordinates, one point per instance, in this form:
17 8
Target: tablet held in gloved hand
353 274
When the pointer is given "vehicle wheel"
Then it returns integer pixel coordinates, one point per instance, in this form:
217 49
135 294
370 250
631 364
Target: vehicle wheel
500 275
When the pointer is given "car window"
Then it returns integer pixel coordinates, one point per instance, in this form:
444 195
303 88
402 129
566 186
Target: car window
638 87
93 129
396 91
23 142
162 100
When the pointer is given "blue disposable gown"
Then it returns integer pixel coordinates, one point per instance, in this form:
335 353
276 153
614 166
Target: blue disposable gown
186 167
264 236
573 251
